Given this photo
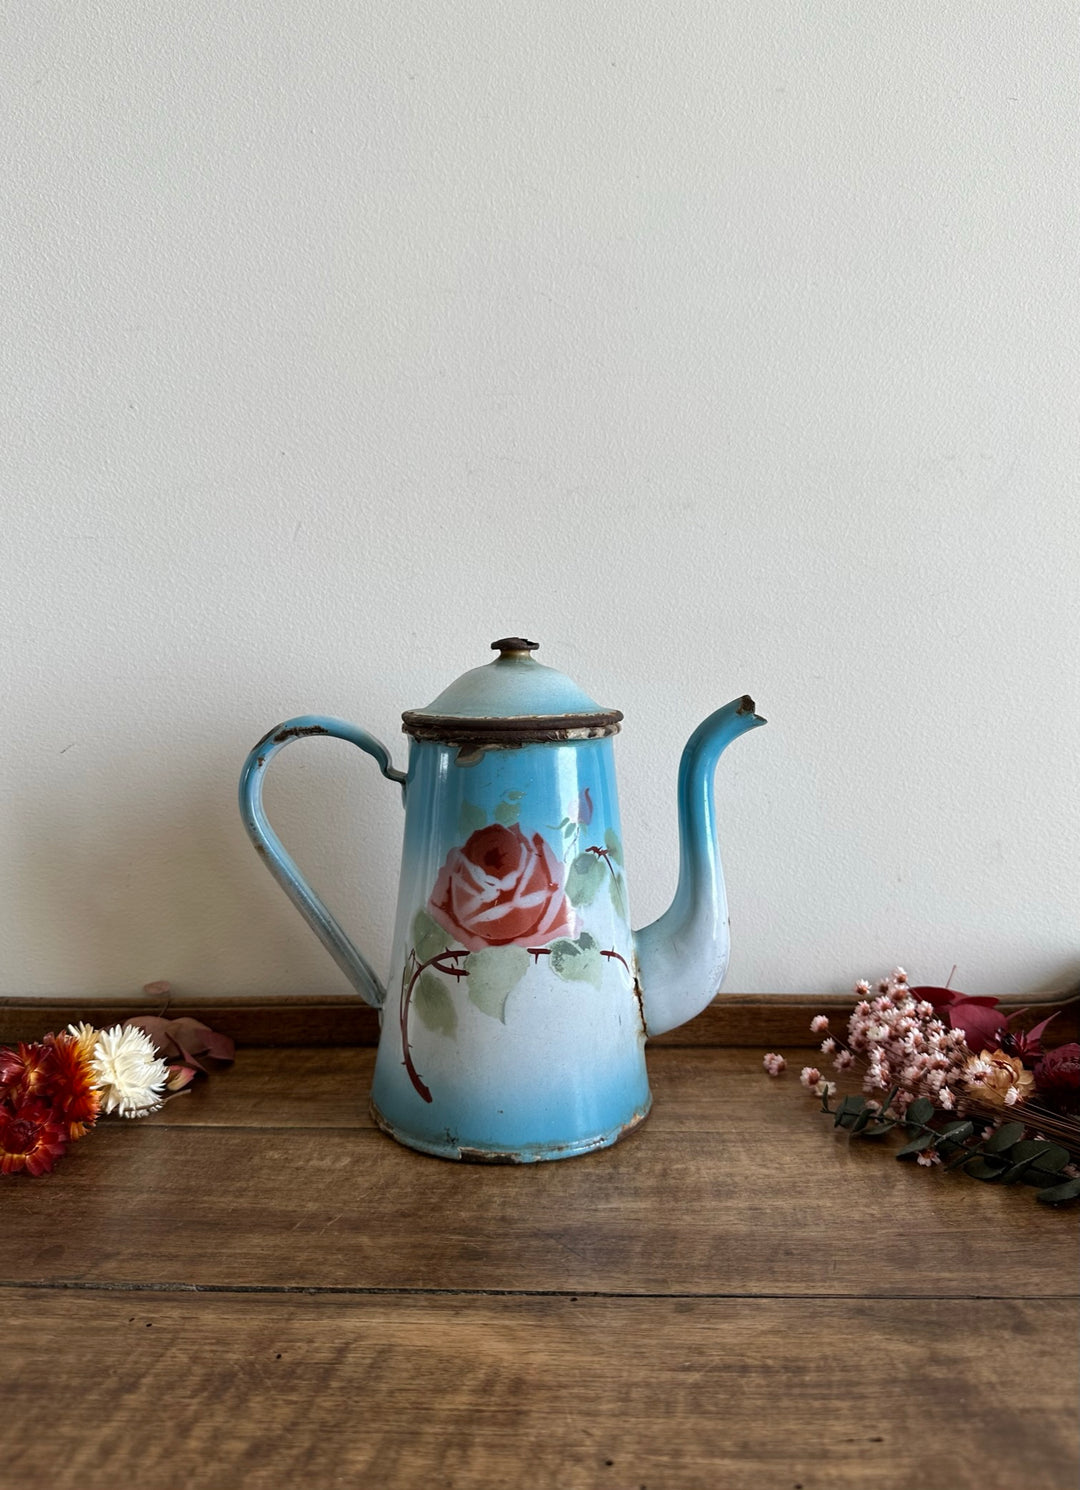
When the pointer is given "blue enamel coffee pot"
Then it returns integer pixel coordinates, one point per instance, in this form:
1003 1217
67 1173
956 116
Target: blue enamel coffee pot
514 1020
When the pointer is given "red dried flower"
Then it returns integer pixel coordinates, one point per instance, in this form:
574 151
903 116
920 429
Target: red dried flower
977 1018
23 1070
1057 1077
1027 1044
31 1137
69 1082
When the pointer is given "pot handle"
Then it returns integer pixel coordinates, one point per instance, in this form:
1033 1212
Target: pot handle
270 849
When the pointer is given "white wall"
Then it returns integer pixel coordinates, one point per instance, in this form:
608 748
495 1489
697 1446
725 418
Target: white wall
720 347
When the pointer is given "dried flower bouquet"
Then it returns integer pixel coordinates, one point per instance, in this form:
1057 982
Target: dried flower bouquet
970 1092
52 1091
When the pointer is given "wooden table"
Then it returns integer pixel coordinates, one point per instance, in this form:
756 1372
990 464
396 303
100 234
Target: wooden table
257 1288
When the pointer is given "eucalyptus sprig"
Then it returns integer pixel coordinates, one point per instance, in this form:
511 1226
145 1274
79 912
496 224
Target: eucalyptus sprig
1005 1156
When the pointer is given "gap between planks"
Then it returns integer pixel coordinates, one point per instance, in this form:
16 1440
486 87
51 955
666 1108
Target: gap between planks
271 1290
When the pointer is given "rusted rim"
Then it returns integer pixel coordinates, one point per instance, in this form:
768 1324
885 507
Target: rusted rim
520 729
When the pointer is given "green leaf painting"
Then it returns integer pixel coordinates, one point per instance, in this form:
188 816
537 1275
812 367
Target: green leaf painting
507 812
494 972
578 962
618 898
434 1006
429 939
613 844
587 873
470 819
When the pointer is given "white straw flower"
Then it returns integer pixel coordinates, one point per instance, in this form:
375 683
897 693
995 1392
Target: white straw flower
127 1069
84 1033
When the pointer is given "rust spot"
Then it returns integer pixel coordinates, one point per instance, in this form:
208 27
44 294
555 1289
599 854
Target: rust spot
640 998
516 730
488 1156
299 732
635 1122
639 995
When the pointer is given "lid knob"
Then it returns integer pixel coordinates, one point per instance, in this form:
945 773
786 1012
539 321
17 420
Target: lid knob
514 646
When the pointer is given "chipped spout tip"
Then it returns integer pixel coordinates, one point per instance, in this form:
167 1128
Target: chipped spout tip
747 706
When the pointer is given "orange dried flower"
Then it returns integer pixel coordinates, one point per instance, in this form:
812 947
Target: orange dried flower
23 1069
69 1085
31 1137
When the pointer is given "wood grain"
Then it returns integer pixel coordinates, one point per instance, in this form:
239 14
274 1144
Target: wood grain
735 1185
162 1390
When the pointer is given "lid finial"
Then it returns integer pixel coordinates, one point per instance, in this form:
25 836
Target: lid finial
514 646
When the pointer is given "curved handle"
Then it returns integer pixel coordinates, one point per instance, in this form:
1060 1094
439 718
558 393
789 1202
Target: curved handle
268 845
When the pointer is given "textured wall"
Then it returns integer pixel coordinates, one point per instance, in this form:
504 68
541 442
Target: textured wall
719 347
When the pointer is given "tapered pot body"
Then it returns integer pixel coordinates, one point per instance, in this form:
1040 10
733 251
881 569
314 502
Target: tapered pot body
512 1028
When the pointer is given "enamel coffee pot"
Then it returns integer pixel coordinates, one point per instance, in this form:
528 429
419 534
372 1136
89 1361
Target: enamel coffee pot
519 1000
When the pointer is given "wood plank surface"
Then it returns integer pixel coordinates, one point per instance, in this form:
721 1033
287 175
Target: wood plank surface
735 1185
158 1391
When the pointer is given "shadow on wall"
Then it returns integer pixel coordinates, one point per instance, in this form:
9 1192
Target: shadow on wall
159 881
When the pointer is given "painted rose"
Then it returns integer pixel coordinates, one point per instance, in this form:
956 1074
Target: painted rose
502 889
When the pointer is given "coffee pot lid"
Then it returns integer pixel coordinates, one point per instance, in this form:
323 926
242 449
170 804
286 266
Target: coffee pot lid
514 700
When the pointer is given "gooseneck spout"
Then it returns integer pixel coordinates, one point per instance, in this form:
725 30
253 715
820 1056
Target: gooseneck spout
683 956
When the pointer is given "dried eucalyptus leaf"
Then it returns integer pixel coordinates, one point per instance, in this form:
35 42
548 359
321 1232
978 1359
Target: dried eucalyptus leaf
846 1112
1055 1159
958 1130
1029 1149
1004 1138
917 1145
1060 1194
985 1169
961 1153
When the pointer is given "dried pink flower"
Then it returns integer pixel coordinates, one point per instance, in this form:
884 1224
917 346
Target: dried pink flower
818 1023
810 1076
928 1157
774 1063
901 1035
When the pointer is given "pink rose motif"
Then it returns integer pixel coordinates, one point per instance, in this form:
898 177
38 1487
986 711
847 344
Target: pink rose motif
502 889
